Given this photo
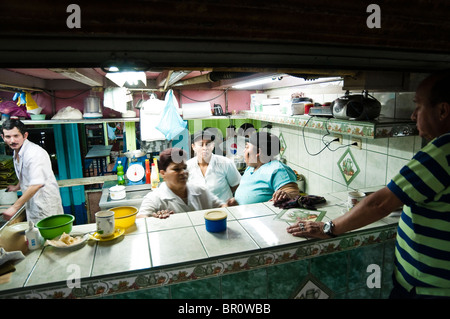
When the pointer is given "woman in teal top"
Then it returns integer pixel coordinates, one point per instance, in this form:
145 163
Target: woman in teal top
265 178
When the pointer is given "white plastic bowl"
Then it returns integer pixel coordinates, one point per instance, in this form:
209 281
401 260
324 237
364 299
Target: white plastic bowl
117 192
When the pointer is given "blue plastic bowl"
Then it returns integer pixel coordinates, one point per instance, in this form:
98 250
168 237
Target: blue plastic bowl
216 221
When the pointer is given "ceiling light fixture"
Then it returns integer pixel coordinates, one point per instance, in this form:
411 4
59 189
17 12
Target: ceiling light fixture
80 75
125 65
130 77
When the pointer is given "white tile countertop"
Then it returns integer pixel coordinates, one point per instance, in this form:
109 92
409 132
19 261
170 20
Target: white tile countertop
153 243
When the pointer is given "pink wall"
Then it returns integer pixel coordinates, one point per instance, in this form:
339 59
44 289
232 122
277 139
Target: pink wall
237 100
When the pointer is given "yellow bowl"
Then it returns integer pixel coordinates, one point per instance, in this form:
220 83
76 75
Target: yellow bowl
124 216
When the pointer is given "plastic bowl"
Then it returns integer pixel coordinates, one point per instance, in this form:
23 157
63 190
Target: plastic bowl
124 216
37 116
54 226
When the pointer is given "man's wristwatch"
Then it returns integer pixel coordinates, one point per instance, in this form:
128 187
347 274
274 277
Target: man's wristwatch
328 229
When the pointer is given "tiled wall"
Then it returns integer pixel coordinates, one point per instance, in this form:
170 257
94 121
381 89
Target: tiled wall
378 160
347 279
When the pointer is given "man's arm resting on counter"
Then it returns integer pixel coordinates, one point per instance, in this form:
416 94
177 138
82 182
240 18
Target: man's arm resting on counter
370 209
29 193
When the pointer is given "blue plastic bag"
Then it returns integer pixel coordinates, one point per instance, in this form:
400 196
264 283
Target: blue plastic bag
171 123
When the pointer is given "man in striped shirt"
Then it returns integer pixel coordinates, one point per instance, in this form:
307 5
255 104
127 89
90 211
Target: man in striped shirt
422 252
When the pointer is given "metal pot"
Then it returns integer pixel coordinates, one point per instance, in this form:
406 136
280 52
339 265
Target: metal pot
12 237
240 163
7 198
356 107
134 154
92 105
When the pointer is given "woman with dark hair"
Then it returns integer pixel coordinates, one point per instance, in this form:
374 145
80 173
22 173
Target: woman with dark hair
218 173
175 194
265 177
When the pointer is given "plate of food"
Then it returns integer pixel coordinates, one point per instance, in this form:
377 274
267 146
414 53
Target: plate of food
66 241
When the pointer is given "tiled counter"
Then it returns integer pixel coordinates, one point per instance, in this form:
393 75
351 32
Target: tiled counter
177 258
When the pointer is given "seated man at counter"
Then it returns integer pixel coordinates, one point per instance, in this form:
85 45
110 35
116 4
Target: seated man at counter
265 178
215 172
422 250
175 194
40 191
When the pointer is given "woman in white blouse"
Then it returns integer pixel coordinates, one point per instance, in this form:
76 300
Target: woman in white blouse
216 173
175 194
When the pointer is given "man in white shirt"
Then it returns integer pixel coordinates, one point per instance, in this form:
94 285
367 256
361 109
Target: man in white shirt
40 191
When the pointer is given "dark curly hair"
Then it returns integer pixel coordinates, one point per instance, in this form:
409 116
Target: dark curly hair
171 155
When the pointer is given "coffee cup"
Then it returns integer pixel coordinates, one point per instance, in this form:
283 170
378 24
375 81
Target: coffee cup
105 223
354 197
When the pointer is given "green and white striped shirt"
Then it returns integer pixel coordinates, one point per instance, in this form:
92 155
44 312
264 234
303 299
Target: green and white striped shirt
422 253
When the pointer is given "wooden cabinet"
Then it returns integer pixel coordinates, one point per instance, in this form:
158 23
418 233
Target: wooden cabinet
95 134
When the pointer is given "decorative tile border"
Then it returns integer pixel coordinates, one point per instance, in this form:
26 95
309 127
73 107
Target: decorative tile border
145 279
353 128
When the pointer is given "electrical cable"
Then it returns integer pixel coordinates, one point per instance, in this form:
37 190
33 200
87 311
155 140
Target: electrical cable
65 98
204 100
327 144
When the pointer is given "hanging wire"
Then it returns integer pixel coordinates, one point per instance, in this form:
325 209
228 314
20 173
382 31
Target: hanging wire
204 100
327 144
65 98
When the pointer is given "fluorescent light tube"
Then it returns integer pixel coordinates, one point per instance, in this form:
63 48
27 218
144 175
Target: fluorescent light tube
256 82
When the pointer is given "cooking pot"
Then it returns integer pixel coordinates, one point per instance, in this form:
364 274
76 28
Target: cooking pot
7 198
240 163
12 237
356 107
218 109
92 105
117 192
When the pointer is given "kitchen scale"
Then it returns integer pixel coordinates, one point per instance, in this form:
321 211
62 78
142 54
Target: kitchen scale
136 172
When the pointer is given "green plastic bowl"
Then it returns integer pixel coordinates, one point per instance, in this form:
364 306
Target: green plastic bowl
37 117
54 226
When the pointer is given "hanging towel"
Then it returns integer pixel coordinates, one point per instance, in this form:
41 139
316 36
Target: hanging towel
116 99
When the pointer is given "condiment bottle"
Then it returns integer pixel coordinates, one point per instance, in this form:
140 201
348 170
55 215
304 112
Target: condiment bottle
120 174
147 171
155 162
33 236
154 177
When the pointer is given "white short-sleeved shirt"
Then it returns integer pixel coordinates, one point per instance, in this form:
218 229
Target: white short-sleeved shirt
220 175
33 167
163 198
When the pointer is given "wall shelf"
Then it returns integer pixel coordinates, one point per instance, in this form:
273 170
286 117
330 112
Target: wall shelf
381 128
84 121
